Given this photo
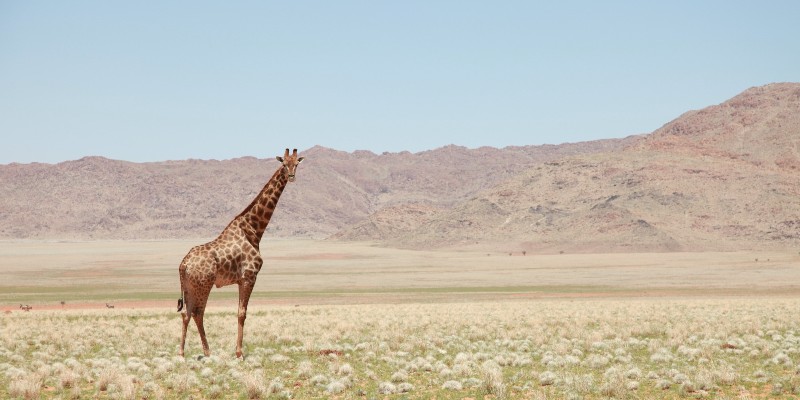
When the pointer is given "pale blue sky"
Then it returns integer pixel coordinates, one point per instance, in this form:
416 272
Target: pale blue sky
161 80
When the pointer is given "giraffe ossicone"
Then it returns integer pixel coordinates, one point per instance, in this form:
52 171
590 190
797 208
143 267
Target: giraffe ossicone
233 257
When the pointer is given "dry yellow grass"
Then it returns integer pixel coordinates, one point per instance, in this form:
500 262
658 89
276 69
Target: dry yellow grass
552 348
376 322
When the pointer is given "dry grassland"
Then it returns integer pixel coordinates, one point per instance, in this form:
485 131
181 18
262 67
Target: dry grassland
351 320
645 348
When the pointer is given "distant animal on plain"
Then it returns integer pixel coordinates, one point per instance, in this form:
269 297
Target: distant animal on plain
25 307
109 305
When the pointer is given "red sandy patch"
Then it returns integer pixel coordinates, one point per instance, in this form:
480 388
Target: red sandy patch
325 352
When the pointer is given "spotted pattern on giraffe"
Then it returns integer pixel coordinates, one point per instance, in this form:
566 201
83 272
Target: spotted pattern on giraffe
233 257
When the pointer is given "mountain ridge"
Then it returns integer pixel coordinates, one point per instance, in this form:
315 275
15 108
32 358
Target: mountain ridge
682 188
720 178
96 197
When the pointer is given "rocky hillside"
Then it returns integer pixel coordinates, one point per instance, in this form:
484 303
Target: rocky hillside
95 198
760 126
722 178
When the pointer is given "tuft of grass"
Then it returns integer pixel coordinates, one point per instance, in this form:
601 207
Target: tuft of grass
319 379
106 377
275 386
68 379
493 378
405 387
345 370
400 376
547 378
304 369
215 392
254 386
387 388
663 384
452 385
26 386
335 387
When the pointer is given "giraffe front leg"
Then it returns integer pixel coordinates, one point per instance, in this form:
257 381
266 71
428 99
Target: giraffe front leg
245 289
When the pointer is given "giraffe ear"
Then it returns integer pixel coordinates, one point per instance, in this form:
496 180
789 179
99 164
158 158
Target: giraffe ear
299 160
279 158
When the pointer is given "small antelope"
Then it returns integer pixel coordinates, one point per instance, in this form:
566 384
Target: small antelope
25 307
109 305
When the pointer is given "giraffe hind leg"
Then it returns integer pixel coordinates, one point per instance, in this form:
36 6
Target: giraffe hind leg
198 320
198 311
186 316
194 310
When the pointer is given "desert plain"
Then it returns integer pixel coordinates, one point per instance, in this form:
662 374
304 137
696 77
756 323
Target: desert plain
332 319
44 273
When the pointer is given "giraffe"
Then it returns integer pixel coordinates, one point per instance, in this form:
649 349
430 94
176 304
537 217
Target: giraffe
233 257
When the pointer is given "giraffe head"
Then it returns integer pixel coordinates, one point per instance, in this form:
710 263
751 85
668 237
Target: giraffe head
290 163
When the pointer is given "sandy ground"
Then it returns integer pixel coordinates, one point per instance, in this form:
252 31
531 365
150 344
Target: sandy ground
143 274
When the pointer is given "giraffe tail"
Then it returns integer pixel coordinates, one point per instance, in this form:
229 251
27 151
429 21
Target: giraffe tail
182 274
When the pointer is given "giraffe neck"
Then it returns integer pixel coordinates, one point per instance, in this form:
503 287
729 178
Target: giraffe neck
258 214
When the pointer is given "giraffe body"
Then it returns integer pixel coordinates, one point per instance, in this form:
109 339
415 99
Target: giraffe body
233 257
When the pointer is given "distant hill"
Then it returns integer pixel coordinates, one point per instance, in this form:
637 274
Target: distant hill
721 178
98 198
